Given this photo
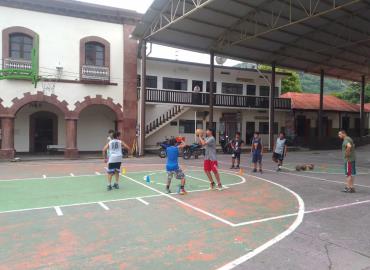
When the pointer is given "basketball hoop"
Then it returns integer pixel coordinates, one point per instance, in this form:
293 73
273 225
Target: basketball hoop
48 85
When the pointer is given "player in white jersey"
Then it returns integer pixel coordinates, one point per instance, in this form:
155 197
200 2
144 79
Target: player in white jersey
114 160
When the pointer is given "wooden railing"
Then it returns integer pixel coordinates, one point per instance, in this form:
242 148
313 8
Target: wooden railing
202 99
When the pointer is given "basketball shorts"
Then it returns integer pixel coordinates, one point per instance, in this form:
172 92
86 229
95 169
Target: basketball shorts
210 165
350 168
114 167
179 174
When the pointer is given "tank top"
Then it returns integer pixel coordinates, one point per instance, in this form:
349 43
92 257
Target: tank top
115 151
256 144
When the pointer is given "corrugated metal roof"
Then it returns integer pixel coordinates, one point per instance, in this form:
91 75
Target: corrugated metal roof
308 101
333 35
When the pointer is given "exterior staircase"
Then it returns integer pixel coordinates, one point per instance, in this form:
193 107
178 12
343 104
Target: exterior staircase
163 120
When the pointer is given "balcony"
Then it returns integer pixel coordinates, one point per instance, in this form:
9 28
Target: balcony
220 100
95 73
17 64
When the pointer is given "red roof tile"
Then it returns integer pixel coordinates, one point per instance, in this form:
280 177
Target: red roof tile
308 101
367 107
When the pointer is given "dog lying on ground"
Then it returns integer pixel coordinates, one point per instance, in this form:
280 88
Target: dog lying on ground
305 167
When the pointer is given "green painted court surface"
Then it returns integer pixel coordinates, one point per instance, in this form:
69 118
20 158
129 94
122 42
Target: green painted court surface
201 230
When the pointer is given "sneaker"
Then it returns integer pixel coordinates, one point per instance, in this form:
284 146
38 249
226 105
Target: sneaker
220 187
254 170
261 171
183 192
232 167
213 186
109 188
237 167
168 191
116 186
349 190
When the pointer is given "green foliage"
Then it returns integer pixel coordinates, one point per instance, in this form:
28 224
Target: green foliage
290 83
311 84
352 93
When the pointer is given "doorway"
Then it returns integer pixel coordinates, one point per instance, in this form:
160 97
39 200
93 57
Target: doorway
249 131
43 131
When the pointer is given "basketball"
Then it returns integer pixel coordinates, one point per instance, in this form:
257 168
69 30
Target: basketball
199 132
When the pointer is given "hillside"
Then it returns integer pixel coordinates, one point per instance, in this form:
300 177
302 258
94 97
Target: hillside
311 84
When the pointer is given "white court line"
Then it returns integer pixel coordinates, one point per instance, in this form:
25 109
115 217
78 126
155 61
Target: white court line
71 174
44 176
106 201
274 240
182 202
141 200
97 173
103 206
58 210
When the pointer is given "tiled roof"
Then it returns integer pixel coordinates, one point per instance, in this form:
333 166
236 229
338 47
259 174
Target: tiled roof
367 107
308 101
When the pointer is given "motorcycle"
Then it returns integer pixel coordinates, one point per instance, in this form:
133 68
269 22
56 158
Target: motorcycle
225 143
193 149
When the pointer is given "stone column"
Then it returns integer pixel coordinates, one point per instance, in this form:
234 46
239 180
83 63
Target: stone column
7 150
71 150
130 100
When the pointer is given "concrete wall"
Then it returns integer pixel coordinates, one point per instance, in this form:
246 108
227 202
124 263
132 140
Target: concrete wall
93 127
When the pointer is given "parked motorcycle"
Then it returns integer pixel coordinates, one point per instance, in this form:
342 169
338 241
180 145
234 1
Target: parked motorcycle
194 149
225 143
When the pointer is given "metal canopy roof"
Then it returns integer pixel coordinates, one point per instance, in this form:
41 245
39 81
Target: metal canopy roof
307 35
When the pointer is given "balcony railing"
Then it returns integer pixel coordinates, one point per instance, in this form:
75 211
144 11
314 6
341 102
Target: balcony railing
95 73
220 100
17 64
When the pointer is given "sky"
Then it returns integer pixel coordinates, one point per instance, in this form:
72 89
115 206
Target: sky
159 51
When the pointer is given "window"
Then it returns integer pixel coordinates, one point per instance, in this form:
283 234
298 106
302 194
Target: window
187 126
214 87
232 88
264 128
175 84
151 81
20 46
94 54
276 92
197 83
264 91
251 90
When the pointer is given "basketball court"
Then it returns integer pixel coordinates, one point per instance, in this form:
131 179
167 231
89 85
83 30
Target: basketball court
60 216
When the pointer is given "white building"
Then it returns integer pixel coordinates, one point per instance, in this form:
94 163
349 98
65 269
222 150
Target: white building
241 100
84 48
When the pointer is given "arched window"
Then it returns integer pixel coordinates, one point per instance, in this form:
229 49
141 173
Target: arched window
94 54
20 46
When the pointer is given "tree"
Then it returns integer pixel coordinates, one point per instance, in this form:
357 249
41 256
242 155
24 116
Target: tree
352 93
290 83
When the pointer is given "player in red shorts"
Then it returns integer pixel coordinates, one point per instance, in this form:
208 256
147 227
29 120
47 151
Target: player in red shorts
210 158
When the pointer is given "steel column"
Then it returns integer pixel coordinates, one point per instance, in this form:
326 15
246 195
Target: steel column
320 115
362 106
211 81
272 106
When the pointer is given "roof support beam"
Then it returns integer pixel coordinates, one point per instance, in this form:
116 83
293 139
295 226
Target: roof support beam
256 25
174 11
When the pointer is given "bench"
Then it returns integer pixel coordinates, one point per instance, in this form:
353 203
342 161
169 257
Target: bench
53 148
